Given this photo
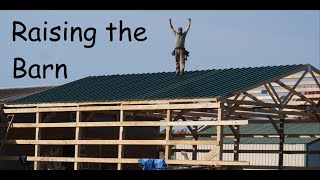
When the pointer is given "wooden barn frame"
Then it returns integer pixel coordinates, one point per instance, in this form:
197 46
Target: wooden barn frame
292 97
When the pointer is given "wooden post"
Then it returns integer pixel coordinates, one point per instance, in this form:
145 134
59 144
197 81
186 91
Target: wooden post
77 133
281 143
37 137
220 132
121 136
168 135
195 147
236 143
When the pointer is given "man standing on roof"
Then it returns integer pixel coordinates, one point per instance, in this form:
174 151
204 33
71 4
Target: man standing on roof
180 52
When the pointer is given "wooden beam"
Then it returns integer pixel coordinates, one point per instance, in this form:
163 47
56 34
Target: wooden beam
290 94
210 155
263 82
252 115
90 116
200 114
296 93
315 79
189 127
49 117
276 127
121 136
272 95
234 131
271 105
77 134
249 135
129 124
128 161
109 108
233 107
36 146
272 111
220 133
195 147
300 103
236 143
315 70
134 102
251 151
281 143
286 121
275 91
293 83
113 142
168 135
209 163
179 115
297 76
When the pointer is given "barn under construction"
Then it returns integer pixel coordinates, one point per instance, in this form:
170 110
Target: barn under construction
112 122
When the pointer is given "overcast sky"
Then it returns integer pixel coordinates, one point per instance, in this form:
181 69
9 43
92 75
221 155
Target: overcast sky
217 39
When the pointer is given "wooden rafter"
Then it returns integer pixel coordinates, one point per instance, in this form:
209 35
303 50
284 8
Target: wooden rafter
210 155
189 127
271 94
315 79
179 115
296 93
274 92
287 99
263 82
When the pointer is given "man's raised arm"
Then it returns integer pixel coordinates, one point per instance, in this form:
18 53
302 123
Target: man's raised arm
189 24
172 27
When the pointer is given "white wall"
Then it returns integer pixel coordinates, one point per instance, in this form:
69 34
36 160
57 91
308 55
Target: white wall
262 159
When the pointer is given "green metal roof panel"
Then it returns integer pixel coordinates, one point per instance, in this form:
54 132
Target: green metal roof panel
247 140
267 128
165 85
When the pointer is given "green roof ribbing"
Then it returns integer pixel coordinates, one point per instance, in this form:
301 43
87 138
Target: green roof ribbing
165 85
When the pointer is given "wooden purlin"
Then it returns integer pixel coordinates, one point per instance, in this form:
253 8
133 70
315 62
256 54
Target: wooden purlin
111 142
128 124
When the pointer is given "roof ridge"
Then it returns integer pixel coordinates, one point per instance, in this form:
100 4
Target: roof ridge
119 74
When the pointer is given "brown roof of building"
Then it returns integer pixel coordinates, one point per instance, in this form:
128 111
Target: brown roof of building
11 94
